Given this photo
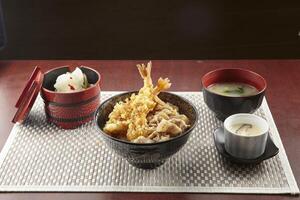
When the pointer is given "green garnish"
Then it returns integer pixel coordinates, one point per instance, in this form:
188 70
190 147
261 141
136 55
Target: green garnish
239 90
245 127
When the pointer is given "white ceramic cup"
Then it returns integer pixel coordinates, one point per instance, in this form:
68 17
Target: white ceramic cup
245 146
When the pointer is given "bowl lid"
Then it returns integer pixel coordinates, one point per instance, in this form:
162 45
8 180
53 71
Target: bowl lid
28 95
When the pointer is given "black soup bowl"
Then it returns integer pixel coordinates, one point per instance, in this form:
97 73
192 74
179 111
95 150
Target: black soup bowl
224 106
146 156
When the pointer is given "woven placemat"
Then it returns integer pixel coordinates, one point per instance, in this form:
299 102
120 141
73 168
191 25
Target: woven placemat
39 156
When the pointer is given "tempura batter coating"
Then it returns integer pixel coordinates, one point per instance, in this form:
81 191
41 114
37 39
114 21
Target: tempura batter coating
144 118
130 117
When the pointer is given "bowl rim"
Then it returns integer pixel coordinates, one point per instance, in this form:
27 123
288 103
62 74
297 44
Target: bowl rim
239 69
146 144
76 92
249 115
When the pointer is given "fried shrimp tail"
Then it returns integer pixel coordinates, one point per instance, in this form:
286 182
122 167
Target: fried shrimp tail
145 73
162 84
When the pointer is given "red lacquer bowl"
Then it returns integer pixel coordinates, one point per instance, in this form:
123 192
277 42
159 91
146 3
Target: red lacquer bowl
70 110
224 106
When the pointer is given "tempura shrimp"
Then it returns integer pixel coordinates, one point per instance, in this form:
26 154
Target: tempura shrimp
130 117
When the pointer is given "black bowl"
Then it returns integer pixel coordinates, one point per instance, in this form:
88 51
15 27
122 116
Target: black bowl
152 155
224 106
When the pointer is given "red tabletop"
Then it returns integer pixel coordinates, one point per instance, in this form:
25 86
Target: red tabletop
283 95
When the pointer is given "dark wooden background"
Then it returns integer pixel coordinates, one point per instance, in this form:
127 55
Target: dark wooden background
151 29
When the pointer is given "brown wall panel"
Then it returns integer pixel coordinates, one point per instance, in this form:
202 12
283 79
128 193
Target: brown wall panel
97 29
